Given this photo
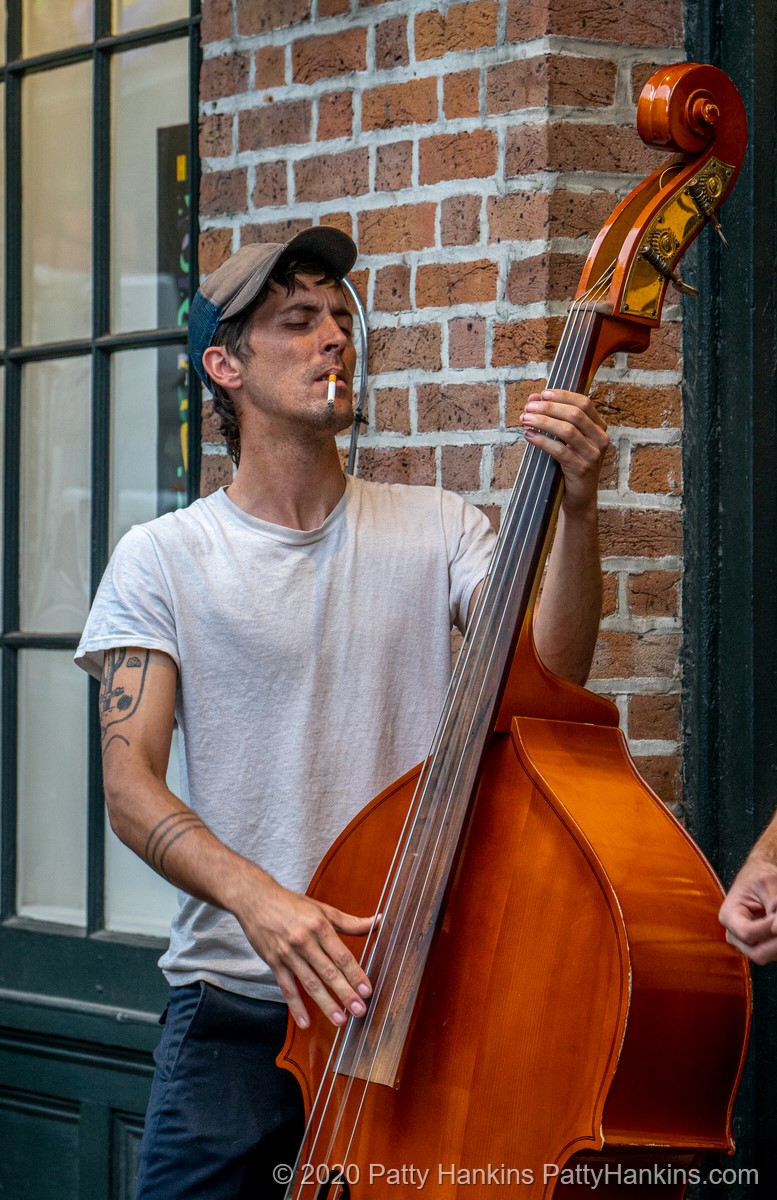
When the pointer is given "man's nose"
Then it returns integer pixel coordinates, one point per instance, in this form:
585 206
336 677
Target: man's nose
332 333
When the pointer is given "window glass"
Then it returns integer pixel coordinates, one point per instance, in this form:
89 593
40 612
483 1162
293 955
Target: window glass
151 185
52 782
54 24
137 14
137 900
55 499
149 430
57 211
2 35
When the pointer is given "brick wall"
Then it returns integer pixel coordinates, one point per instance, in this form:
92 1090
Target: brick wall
472 149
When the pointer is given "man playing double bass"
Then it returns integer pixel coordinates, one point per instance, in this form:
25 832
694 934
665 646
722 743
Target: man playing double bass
296 626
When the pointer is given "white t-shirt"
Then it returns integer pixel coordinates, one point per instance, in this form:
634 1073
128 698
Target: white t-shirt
312 666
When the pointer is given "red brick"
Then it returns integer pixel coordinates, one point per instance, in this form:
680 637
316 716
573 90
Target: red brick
631 404
461 94
360 280
548 276
507 460
516 395
608 477
210 426
549 79
273 231
654 594
270 187
216 135
463 27
662 774
643 655
274 125
410 103
439 284
270 67
458 156
636 532
260 16
396 229
330 55
630 21
457 406
655 717
517 342
392 411
656 469
571 146
665 350
216 20
609 594
333 8
413 347
460 220
325 177
335 115
411 464
579 214
518 216
214 247
391 44
461 468
223 192
467 342
393 166
339 220
215 472
223 76
392 288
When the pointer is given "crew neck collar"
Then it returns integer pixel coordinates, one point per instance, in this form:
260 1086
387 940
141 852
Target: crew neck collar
282 533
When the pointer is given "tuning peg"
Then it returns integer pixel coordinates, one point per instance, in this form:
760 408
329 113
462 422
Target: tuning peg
704 204
662 266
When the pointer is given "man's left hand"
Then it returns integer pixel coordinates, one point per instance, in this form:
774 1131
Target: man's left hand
567 426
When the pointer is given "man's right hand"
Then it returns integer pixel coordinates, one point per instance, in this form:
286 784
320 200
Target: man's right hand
298 938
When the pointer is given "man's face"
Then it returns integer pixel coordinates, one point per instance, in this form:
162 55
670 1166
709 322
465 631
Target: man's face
294 343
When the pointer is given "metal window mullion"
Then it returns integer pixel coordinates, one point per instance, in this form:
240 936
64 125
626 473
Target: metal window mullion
13 279
101 443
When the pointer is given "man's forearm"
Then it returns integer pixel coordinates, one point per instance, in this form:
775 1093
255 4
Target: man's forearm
567 620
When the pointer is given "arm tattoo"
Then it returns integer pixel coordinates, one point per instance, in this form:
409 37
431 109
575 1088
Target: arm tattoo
124 677
165 833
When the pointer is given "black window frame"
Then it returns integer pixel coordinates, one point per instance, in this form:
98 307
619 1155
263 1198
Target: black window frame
89 963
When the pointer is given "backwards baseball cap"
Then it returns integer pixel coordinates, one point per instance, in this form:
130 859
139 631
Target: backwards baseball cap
237 282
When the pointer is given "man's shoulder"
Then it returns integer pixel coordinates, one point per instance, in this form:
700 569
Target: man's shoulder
174 528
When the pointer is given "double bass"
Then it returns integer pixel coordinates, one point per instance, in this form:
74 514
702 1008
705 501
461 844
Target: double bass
554 1007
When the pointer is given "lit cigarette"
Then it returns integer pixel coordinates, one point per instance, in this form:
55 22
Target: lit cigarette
331 390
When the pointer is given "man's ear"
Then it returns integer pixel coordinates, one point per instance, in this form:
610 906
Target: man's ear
223 367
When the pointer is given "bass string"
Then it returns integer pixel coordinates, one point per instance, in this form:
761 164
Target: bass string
562 372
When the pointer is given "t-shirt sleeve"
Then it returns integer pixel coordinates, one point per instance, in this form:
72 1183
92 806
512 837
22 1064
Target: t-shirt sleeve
470 541
132 607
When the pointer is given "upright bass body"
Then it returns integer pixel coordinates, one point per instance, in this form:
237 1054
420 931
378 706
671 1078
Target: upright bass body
555 1006
581 1012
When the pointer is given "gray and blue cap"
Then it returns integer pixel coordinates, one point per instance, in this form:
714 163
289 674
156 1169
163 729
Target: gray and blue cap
237 282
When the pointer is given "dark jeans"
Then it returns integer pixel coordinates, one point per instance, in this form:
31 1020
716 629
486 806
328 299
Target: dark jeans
221 1115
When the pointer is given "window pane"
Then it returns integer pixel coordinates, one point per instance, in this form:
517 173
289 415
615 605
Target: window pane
54 24
57 209
2 35
137 900
150 227
52 787
148 435
55 496
137 14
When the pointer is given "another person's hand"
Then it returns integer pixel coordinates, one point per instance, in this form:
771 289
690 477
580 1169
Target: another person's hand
749 912
582 441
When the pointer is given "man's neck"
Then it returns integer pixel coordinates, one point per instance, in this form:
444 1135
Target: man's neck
295 486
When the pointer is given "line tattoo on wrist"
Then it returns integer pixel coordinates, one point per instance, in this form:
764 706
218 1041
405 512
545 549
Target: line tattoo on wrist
165 833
